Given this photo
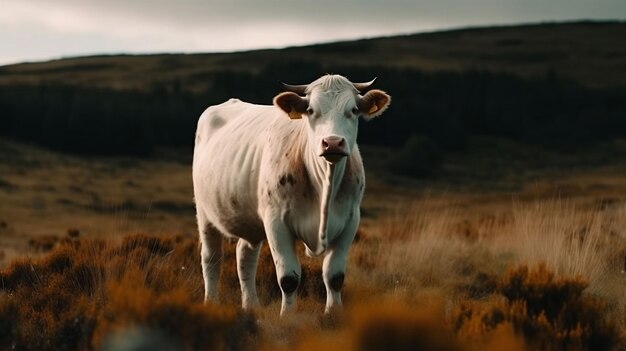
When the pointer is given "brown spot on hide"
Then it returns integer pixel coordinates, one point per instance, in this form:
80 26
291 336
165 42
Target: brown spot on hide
286 178
217 122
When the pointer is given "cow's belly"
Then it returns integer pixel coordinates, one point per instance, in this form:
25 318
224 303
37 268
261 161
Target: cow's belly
234 223
231 209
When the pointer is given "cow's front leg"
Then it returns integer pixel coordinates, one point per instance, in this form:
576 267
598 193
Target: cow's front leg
334 266
288 270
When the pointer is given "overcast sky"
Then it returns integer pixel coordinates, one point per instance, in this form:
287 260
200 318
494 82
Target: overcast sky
32 30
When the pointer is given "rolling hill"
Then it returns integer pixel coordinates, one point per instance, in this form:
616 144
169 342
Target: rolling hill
591 53
558 84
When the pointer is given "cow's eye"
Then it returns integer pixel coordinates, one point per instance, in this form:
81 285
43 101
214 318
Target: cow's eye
355 111
309 111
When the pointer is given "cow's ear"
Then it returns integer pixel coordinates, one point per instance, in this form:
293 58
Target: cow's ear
374 103
293 104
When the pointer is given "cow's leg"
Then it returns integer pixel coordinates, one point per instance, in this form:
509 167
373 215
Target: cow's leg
247 259
334 266
211 256
288 270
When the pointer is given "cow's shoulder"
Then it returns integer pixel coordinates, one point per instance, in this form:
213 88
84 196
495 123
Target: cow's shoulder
284 171
284 143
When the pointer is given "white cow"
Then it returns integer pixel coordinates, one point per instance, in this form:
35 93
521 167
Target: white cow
284 173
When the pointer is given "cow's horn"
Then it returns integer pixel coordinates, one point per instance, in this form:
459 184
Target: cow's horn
361 87
298 89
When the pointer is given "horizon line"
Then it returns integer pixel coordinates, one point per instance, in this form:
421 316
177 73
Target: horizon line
310 44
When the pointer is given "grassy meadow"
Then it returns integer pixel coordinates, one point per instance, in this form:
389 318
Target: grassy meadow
102 253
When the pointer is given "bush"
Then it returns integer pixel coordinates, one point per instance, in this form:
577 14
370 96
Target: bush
550 313
85 291
147 292
87 294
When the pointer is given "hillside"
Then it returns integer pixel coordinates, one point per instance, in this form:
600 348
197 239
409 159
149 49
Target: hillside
591 53
557 85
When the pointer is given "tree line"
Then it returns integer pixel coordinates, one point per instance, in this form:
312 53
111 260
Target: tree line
443 108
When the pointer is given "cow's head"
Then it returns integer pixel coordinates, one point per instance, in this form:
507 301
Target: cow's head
332 106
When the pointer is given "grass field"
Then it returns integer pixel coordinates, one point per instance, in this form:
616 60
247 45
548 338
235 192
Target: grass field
496 250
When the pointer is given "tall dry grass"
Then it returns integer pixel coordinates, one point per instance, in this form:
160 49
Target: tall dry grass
542 275
587 241
570 239
429 246
437 251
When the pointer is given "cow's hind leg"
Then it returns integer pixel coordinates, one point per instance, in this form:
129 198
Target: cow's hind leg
247 259
211 256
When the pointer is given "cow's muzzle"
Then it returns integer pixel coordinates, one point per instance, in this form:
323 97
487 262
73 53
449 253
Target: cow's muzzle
333 148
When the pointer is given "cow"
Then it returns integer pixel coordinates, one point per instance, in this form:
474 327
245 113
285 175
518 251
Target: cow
284 173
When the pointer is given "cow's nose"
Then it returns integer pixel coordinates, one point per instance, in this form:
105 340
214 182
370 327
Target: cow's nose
333 148
333 145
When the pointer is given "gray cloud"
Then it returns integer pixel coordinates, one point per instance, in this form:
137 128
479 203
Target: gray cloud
199 12
35 29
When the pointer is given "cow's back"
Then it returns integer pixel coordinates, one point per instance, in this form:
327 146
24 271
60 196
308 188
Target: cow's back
227 159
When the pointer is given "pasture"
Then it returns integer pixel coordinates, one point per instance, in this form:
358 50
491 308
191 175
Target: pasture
498 249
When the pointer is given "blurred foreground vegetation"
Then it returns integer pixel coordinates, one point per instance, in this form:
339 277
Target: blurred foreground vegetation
145 292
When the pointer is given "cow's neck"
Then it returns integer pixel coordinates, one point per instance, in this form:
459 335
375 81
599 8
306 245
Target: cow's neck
324 175
326 179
